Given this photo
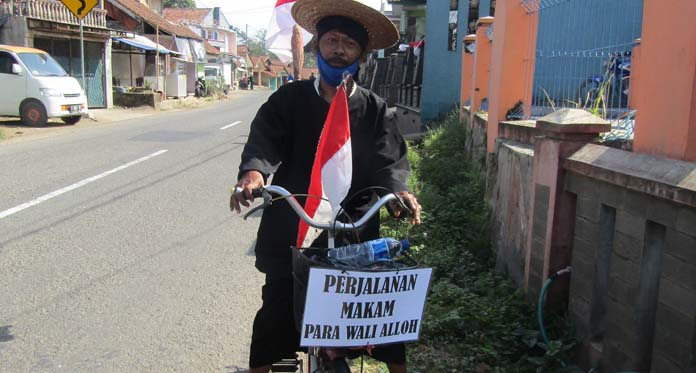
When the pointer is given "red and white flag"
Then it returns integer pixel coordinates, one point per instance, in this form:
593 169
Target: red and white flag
279 35
332 170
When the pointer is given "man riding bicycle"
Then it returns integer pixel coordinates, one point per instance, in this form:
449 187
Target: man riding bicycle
283 141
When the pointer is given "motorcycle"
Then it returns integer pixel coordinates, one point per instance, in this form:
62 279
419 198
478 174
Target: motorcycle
200 89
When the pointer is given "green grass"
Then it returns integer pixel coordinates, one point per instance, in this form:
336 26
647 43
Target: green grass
368 364
475 319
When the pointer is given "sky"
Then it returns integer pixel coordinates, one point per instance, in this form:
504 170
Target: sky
255 13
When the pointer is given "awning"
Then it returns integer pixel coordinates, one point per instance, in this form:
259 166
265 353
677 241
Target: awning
198 50
184 48
141 42
180 59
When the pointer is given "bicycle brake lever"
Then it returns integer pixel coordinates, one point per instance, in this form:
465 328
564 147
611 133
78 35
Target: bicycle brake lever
404 206
267 201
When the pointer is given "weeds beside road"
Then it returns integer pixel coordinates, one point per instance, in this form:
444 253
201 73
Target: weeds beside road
475 319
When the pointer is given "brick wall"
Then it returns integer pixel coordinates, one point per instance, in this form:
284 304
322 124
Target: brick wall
510 202
633 287
476 139
630 237
508 175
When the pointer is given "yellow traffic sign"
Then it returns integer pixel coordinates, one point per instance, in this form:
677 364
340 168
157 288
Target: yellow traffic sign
80 8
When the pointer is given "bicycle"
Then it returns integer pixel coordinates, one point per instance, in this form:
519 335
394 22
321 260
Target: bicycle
305 259
611 88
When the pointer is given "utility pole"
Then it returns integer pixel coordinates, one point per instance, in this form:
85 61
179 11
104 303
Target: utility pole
246 35
157 66
82 57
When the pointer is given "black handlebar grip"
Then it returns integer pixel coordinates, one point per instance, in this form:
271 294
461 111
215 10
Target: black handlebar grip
257 193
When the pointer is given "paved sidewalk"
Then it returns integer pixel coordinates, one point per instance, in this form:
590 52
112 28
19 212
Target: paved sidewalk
12 129
118 114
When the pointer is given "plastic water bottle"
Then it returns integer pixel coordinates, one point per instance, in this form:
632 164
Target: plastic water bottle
366 253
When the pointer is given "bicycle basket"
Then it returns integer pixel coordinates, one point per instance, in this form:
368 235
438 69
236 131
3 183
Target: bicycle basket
303 259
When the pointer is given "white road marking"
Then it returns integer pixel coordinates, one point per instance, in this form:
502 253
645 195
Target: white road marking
84 182
231 125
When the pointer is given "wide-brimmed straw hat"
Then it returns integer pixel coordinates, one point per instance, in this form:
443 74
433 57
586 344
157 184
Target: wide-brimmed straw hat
381 31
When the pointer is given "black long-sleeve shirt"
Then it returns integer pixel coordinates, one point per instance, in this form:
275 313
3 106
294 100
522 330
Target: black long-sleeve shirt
283 142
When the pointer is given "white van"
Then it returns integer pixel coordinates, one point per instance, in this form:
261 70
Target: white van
35 87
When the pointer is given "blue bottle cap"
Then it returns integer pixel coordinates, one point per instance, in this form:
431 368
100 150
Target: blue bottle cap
405 245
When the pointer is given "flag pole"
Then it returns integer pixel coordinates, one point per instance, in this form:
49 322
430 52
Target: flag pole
157 56
297 46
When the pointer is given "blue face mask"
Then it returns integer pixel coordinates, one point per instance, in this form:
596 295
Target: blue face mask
334 75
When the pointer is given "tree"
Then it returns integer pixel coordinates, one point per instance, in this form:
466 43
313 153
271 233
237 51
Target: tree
178 4
257 44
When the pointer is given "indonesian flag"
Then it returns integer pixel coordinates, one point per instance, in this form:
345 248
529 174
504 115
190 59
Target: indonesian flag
279 36
332 170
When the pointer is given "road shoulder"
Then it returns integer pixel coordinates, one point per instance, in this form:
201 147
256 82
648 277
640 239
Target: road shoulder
13 130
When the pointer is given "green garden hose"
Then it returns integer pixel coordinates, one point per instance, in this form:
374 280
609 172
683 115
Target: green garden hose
542 296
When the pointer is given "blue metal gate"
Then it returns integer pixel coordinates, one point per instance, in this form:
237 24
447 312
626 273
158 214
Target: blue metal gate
583 54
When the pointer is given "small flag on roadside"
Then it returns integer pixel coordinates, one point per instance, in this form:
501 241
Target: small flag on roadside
332 171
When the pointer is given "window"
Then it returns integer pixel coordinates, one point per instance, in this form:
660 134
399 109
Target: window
41 64
452 25
6 61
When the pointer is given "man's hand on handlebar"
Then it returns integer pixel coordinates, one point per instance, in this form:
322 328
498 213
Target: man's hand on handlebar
241 193
397 210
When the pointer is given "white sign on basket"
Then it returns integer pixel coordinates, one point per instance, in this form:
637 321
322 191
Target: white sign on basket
354 308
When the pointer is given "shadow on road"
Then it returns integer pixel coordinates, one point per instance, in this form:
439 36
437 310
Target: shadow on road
5 335
236 369
18 124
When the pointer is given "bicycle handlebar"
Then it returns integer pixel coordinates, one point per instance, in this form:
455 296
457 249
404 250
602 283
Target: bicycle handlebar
333 226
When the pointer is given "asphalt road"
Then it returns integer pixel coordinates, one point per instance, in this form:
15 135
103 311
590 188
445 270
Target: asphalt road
118 251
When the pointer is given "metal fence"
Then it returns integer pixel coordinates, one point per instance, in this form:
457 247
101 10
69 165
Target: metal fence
582 56
398 79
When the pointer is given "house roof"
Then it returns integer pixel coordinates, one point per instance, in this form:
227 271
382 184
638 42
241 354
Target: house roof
210 49
155 20
276 70
167 41
255 60
307 71
277 67
277 62
186 15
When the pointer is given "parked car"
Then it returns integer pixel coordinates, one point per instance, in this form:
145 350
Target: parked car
35 87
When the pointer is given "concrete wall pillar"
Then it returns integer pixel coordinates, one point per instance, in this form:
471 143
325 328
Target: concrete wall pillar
482 62
467 72
108 75
512 63
666 98
552 212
